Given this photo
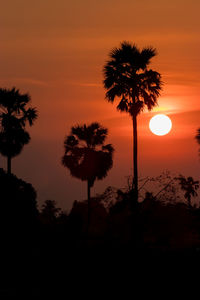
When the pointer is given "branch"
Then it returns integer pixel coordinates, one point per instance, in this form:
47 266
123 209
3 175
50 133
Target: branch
164 187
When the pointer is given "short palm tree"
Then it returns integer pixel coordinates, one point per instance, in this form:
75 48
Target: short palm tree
189 186
127 77
86 155
14 115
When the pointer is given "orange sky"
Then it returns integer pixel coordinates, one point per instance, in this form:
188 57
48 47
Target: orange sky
56 50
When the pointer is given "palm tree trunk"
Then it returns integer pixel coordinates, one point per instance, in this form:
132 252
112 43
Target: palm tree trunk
8 165
135 158
89 205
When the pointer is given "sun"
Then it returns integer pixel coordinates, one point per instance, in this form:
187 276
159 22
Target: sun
160 124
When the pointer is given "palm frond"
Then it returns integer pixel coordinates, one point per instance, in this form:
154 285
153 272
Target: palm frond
146 55
123 105
115 91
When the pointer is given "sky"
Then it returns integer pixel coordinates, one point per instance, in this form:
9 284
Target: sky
56 50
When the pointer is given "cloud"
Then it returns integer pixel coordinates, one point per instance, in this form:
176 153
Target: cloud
90 84
24 81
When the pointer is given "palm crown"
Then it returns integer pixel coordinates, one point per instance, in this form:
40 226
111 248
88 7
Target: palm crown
127 77
14 105
14 115
86 155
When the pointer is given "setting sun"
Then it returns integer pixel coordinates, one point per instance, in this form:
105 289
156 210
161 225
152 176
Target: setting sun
160 124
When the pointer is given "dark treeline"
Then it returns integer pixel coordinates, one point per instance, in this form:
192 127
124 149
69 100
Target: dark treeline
116 226
55 246
159 224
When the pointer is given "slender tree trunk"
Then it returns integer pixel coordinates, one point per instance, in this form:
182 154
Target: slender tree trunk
89 205
135 158
8 165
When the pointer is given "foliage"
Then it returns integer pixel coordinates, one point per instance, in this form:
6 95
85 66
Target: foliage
18 200
86 155
49 211
189 186
163 187
108 198
127 77
13 138
14 115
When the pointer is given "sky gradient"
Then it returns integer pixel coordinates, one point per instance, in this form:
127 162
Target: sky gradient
55 50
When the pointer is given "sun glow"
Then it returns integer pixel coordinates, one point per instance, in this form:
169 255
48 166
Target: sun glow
160 124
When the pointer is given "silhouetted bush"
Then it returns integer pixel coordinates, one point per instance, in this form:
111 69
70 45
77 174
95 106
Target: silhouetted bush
168 226
18 207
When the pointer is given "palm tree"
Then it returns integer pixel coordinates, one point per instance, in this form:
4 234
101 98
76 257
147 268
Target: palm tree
127 77
14 115
189 186
86 155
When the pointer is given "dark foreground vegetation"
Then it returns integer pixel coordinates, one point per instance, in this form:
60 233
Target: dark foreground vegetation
53 248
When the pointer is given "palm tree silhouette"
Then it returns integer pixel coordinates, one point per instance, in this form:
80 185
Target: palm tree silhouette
14 115
126 76
86 155
189 186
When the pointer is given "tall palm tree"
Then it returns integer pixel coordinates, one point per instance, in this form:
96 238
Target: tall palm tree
14 116
86 155
127 77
